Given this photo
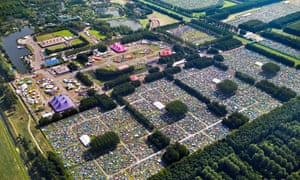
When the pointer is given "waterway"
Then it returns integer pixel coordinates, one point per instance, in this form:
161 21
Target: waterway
10 46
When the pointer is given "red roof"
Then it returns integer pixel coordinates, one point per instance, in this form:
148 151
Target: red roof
134 78
165 52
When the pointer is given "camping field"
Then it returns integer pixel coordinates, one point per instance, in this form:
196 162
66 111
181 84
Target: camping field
192 4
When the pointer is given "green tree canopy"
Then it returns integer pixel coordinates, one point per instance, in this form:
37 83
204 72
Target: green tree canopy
270 68
235 120
228 87
177 108
159 140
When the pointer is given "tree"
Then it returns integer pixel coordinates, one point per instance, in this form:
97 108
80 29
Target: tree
174 152
235 120
105 142
227 87
270 68
159 140
176 108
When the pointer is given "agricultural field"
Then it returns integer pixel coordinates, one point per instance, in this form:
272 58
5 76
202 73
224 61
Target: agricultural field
190 34
163 19
192 4
62 33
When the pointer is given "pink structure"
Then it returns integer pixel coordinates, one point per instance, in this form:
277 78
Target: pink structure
118 47
61 103
165 52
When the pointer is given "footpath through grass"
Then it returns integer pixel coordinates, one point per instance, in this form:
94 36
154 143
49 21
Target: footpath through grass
11 167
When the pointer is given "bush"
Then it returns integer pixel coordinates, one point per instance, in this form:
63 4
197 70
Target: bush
227 87
235 120
159 140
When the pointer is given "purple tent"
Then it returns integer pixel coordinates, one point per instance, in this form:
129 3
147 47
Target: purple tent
61 103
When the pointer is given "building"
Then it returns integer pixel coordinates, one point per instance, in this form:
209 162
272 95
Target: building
118 47
61 103
165 52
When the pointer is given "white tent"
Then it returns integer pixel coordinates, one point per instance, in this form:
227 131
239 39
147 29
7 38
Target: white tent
159 105
85 140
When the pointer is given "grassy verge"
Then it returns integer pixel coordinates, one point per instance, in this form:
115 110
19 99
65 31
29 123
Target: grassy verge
278 53
97 34
228 4
11 166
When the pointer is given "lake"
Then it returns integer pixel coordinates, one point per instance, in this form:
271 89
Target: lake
10 46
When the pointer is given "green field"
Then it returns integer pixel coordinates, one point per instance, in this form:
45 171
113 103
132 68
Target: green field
11 167
279 31
76 42
97 34
228 4
55 47
63 33
163 19
144 22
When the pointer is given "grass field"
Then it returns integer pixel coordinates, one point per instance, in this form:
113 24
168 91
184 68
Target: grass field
279 31
228 4
144 22
55 47
11 167
63 33
163 19
76 42
97 34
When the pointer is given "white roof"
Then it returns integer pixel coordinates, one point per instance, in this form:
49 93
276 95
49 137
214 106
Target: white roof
159 105
46 115
85 140
179 62
216 81
24 86
258 63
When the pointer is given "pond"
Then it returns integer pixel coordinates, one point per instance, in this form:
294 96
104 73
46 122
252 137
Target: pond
134 25
11 47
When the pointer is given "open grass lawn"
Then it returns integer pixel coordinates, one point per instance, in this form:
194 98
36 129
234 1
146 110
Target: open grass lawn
97 34
228 4
163 19
63 33
278 53
86 37
144 22
76 42
11 166
199 14
55 47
